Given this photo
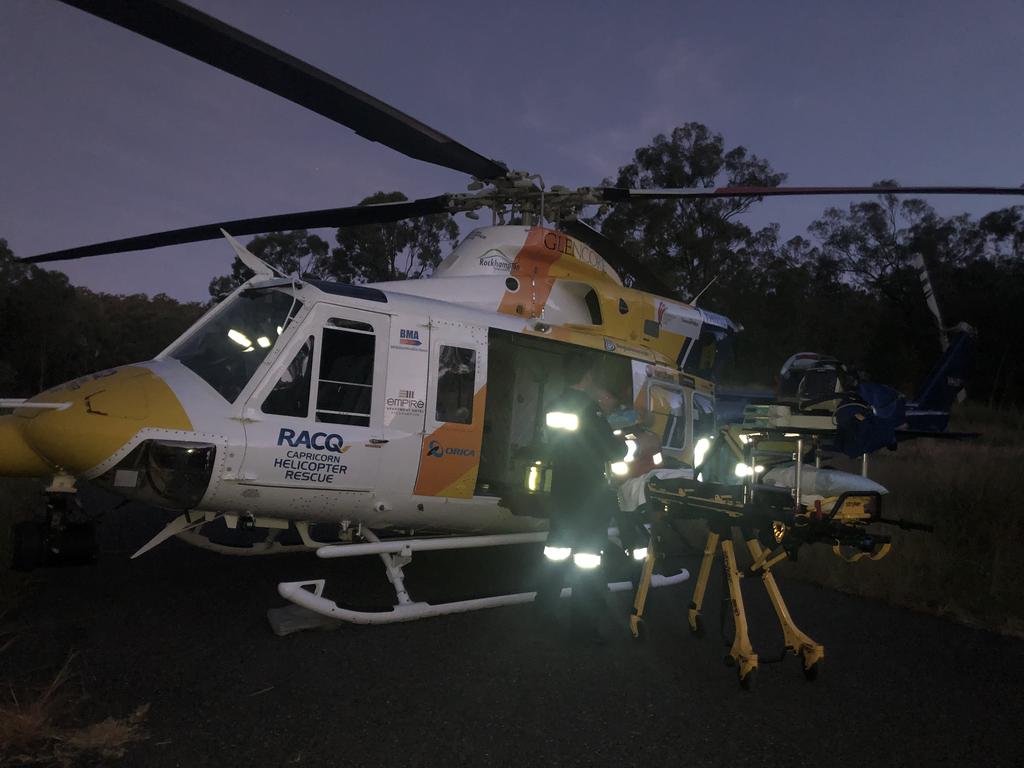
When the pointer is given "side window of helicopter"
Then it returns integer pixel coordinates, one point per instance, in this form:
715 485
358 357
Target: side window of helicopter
668 408
290 395
703 416
345 382
456 384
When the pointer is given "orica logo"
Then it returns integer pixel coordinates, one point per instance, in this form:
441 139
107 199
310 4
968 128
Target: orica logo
436 450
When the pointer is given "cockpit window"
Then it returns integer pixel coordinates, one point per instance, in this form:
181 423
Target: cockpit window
227 349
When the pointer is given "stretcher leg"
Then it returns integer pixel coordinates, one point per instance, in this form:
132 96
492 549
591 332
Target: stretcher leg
640 598
741 652
812 653
694 616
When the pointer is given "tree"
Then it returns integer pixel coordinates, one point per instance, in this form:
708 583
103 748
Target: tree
56 331
977 273
366 254
689 242
397 251
285 251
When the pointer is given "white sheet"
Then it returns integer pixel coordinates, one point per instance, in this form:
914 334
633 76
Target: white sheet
631 492
822 482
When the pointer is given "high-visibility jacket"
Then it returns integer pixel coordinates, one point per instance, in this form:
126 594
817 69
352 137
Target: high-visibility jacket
580 445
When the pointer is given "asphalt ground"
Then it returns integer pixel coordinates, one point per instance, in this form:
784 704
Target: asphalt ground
185 631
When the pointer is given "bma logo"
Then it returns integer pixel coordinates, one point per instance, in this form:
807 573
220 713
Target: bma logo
409 337
320 441
436 450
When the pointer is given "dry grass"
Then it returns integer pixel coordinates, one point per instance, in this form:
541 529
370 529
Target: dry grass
33 732
37 727
969 567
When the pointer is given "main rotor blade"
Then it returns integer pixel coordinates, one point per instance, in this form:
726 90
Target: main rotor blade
643 278
330 217
619 194
203 37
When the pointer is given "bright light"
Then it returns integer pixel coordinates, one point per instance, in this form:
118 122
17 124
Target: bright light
744 439
640 553
744 470
239 338
560 420
531 480
700 451
263 341
656 458
792 434
557 554
586 560
617 432
280 330
620 468
630 451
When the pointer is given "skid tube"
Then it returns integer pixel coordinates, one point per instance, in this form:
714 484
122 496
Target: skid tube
396 554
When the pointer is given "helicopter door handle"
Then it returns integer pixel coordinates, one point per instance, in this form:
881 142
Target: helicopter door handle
377 441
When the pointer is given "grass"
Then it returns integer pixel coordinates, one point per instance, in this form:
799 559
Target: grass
34 728
969 567
37 725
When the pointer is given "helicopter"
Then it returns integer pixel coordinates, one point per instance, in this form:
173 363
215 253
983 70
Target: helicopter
384 418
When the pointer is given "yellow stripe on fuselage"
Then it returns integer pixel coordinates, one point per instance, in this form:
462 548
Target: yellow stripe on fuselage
105 411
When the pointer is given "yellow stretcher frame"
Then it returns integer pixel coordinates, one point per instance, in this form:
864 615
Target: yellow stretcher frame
741 653
850 509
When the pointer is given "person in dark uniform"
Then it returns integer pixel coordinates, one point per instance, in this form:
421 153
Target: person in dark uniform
580 447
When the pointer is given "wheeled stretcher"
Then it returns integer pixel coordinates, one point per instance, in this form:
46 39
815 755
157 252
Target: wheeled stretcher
733 492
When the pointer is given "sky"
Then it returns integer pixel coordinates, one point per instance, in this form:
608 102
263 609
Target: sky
105 134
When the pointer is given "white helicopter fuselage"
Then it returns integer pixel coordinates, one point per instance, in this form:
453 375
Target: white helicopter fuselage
411 405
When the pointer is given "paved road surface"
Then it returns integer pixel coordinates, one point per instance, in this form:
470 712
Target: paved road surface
185 631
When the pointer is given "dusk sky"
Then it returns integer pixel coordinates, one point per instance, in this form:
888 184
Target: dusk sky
105 134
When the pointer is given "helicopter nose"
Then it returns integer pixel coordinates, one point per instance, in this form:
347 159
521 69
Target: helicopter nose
86 422
17 459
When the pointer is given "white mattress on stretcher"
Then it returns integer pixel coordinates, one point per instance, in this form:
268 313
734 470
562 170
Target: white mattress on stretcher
814 483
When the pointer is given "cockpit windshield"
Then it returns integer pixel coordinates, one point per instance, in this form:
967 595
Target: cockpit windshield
229 346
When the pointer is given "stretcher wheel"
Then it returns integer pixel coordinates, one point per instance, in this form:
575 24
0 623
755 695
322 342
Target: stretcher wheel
640 634
747 682
811 672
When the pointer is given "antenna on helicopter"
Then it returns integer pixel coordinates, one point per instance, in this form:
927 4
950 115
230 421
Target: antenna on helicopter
703 290
251 260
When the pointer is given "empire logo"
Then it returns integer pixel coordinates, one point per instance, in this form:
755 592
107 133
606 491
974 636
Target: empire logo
409 337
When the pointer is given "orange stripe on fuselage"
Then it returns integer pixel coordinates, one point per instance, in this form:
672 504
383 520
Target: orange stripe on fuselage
450 456
531 267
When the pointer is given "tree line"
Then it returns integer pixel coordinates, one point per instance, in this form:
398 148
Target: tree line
53 331
848 288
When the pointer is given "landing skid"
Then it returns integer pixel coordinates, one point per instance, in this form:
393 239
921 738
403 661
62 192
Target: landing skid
317 611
